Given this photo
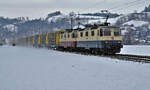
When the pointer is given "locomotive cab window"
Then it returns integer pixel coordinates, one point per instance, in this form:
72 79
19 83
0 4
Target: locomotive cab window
64 35
73 35
86 33
101 32
117 33
92 33
107 32
76 35
81 34
97 32
61 36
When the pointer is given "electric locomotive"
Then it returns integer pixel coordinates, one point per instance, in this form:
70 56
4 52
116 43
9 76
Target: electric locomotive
99 39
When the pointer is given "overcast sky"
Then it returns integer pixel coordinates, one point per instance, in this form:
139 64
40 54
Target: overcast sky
40 8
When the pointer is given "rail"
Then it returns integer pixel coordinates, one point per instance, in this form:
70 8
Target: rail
135 58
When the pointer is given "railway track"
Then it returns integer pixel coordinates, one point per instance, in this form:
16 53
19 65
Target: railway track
126 57
135 58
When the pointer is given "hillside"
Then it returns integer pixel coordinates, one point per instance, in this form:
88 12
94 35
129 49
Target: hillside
18 27
135 28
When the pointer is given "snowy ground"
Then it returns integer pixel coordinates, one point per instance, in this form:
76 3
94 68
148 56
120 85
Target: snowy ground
41 69
136 49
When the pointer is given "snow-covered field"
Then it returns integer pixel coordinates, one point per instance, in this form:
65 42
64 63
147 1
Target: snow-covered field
41 69
136 23
136 49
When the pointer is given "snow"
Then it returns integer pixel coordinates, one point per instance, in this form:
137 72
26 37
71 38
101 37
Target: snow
80 26
149 27
113 20
123 32
55 18
91 17
42 69
133 28
136 49
11 28
94 21
136 23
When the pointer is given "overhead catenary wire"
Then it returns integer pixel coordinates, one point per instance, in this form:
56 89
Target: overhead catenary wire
120 7
124 4
127 5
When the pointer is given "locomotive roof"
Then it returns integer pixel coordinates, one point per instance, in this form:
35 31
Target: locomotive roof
109 27
79 29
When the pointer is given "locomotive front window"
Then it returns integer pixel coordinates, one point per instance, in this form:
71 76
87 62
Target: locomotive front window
107 32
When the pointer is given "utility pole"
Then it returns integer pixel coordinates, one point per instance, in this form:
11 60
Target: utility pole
78 21
71 23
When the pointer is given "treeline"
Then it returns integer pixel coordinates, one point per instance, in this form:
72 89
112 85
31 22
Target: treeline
111 15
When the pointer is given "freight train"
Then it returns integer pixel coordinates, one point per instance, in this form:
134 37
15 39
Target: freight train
98 39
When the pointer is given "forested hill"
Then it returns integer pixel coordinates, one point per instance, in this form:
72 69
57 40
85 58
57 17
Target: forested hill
23 26
111 15
137 23
147 9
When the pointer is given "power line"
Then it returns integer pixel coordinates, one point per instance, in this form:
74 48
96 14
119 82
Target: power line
121 6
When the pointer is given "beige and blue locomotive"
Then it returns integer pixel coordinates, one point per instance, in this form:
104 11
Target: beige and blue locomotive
99 40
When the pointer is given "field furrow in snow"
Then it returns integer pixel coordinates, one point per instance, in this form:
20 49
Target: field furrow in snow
136 50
